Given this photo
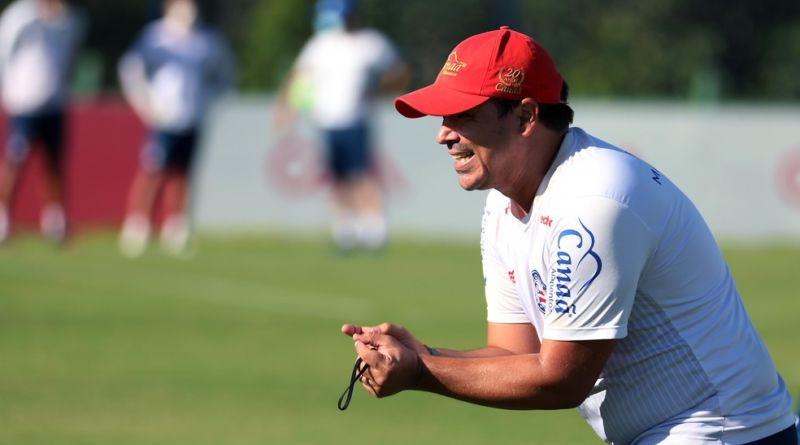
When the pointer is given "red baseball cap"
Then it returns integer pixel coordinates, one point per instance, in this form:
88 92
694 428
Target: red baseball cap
503 63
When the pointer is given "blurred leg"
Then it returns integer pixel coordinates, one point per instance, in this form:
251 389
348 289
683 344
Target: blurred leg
9 174
343 222
136 228
368 205
359 218
176 231
53 220
16 152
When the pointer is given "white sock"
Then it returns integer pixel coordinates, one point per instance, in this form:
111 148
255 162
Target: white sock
53 223
175 234
344 231
372 231
134 235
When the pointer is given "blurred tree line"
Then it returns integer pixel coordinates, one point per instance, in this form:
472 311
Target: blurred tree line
682 49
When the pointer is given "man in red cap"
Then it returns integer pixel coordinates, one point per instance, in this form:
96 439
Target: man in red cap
605 289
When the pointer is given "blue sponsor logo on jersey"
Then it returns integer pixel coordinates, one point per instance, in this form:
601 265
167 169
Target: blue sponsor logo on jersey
573 243
540 293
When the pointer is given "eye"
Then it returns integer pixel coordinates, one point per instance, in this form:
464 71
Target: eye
465 116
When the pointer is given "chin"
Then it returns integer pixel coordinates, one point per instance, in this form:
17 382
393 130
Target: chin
472 182
470 186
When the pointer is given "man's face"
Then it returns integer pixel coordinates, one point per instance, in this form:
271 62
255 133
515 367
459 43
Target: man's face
184 11
480 143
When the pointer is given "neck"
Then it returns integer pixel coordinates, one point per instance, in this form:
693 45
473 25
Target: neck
178 25
51 8
528 174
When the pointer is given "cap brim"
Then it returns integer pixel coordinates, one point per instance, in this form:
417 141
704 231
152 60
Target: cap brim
434 100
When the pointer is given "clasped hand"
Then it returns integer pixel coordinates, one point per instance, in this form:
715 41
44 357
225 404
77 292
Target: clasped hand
392 354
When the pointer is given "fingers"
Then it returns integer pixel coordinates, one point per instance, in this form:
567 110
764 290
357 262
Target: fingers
395 330
383 328
369 353
367 334
351 330
371 357
369 384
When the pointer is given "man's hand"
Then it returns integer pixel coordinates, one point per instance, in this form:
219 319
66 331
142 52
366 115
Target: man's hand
392 366
365 333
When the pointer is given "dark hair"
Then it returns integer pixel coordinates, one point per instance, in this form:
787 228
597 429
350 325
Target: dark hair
556 117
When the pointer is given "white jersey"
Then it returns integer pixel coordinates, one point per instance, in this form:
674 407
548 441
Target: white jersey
611 249
342 68
178 75
36 54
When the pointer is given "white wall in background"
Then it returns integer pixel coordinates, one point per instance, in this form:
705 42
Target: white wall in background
740 164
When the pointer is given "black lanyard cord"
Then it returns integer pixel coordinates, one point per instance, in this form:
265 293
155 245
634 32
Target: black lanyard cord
344 399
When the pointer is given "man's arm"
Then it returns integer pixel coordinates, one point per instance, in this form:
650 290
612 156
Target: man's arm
560 376
284 115
135 87
501 339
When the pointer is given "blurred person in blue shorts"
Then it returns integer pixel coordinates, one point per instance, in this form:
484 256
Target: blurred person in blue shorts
605 290
170 76
338 71
39 40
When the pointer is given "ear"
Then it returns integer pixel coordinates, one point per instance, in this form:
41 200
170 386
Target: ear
528 114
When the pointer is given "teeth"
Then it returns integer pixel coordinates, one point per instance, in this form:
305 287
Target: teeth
463 157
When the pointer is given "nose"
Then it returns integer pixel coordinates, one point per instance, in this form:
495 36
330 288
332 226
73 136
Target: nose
446 135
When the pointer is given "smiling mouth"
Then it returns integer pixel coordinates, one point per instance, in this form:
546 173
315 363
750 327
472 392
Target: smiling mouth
462 157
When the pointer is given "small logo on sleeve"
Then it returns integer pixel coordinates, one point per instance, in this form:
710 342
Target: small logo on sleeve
540 293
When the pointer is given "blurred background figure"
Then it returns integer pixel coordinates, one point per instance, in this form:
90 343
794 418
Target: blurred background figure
335 75
170 76
38 43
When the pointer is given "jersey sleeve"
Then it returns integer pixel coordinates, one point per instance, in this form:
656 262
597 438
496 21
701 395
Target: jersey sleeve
502 302
307 55
595 256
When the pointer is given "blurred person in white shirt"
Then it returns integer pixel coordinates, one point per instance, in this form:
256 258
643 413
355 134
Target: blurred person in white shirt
171 75
339 69
39 40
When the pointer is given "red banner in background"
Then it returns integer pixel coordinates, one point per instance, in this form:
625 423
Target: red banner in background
103 140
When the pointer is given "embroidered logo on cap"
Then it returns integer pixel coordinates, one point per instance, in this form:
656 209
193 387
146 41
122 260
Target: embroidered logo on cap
510 80
452 65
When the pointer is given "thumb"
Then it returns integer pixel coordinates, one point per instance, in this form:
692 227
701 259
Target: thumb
369 355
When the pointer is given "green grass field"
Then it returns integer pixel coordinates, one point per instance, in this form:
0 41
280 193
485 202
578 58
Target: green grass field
241 343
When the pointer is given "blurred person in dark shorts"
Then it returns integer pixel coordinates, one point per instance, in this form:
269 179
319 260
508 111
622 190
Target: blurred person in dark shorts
339 70
39 40
171 75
